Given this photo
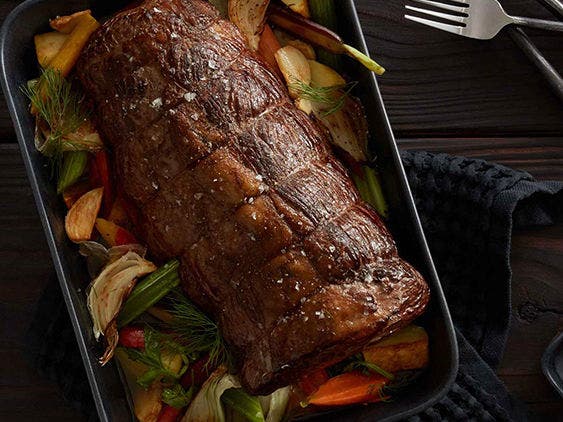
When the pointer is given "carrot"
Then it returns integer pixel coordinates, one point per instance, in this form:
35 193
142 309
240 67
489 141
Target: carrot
169 414
311 382
349 388
133 337
268 47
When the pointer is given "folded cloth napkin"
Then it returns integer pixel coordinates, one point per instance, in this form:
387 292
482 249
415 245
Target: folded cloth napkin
468 209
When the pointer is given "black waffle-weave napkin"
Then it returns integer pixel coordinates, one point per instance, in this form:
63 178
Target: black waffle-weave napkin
468 209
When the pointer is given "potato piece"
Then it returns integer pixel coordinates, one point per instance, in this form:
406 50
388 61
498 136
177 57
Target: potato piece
307 49
323 76
299 6
66 24
294 67
113 234
80 219
286 39
147 403
406 349
65 60
48 45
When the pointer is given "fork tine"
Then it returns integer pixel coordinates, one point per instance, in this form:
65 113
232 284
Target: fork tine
460 9
446 16
443 26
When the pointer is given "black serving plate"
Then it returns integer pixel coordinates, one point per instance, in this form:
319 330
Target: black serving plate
18 64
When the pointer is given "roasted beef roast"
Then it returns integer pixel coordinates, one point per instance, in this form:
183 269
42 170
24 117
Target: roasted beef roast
229 176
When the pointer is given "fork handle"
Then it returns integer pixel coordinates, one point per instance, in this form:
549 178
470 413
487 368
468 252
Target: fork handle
535 56
538 23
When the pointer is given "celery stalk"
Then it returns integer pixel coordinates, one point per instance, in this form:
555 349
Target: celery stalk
74 164
149 291
376 192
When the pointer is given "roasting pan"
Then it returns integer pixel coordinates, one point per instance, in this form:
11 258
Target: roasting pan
18 64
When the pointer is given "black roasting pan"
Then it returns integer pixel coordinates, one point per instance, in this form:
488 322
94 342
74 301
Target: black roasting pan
18 64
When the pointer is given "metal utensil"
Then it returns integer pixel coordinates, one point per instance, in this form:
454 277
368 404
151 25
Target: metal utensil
472 8
481 19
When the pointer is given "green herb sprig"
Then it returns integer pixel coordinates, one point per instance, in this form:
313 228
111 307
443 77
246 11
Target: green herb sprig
60 111
196 332
177 397
332 97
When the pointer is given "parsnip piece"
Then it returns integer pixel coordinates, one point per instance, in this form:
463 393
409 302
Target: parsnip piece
66 24
80 219
294 67
48 45
323 76
406 349
66 58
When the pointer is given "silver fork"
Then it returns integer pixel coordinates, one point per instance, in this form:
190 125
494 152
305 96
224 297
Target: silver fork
481 19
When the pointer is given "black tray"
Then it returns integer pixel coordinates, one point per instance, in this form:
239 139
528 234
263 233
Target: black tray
18 64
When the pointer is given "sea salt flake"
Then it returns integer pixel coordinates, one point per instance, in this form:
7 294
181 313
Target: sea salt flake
198 196
190 96
156 103
253 215
331 248
154 185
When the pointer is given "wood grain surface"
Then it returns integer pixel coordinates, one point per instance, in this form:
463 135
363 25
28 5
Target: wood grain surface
443 94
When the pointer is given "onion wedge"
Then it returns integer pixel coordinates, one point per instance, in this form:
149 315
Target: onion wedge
109 290
249 16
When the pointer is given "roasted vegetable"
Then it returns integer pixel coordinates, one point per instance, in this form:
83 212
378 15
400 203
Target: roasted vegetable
161 357
349 388
312 381
169 414
74 164
147 403
323 12
294 67
149 291
109 290
298 6
249 16
245 405
62 121
318 35
80 219
114 235
132 337
268 47
84 26
206 406
100 175
66 24
286 39
47 46
404 350
74 192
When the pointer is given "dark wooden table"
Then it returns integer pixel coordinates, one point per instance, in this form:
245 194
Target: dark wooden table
443 93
